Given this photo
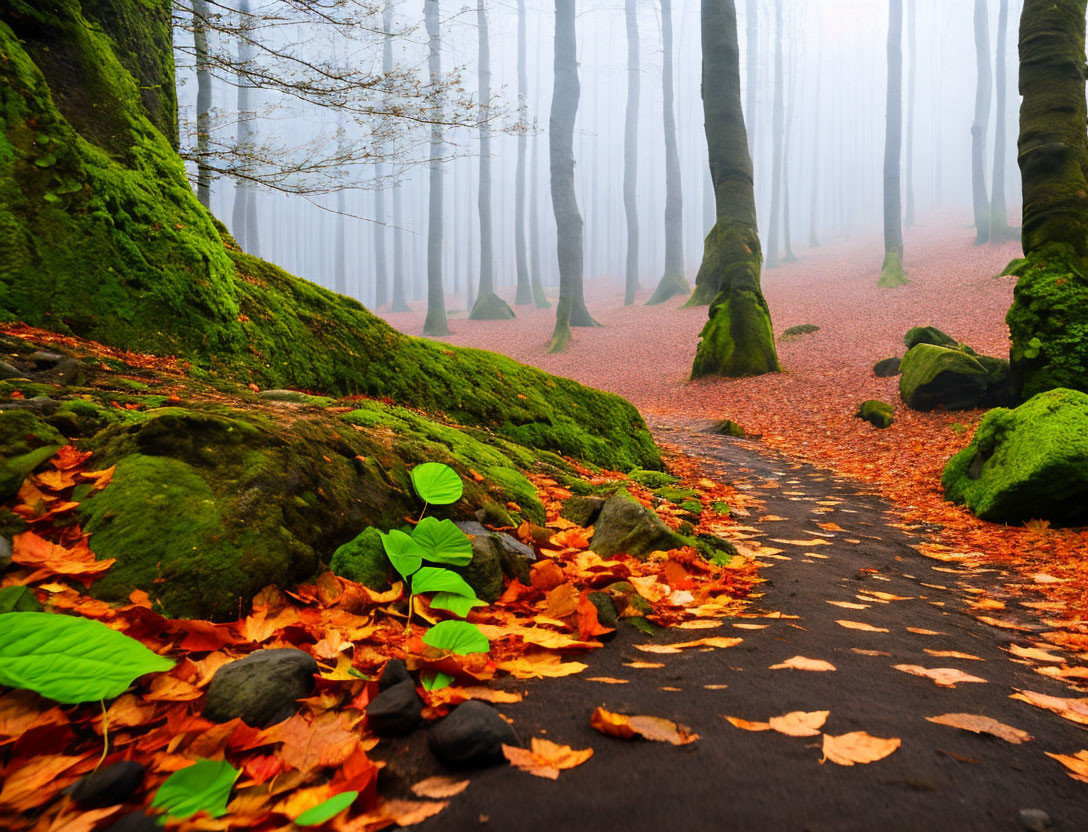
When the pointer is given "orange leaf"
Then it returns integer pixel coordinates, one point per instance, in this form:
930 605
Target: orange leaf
857 747
648 727
546 758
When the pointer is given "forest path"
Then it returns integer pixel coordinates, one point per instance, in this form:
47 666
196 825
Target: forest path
735 779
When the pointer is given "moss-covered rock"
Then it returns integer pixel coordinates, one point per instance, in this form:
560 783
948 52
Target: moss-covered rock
928 335
727 427
1030 462
800 329
626 526
582 511
935 376
887 367
363 560
25 443
877 413
652 479
676 495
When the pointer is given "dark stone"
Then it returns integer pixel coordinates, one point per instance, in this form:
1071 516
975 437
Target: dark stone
5 548
262 688
625 525
393 672
1035 820
109 786
952 378
472 735
607 615
395 711
582 511
494 554
283 396
65 372
886 368
10 371
43 360
135 822
928 335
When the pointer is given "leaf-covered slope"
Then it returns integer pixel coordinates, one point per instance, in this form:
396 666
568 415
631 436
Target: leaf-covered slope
104 238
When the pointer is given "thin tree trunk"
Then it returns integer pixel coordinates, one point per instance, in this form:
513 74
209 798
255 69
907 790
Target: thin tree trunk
340 263
999 218
979 125
435 322
912 83
777 128
630 152
752 49
787 235
540 298
399 303
891 273
737 340
203 103
524 294
240 225
813 235
381 271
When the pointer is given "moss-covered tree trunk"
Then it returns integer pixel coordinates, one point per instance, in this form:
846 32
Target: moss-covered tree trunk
630 152
673 282
435 322
891 273
751 46
983 92
524 295
737 339
999 218
1048 320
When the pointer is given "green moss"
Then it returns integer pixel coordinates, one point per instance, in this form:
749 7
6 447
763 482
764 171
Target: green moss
25 443
928 335
1048 322
491 307
737 340
670 286
1031 462
727 427
877 413
935 376
800 329
652 479
363 560
891 272
676 495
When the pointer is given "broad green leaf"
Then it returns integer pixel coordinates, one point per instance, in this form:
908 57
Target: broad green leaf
70 659
404 553
443 542
328 810
18 599
437 484
457 604
458 637
202 787
436 680
435 579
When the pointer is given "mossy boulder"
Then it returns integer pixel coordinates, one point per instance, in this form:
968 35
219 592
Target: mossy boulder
1026 463
652 479
928 335
363 560
887 367
727 427
934 376
626 526
877 413
799 330
582 511
25 443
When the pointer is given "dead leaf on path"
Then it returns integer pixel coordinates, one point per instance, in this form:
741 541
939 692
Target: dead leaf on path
952 654
799 723
439 787
982 725
887 596
1034 653
1064 673
816 541
743 626
746 725
711 641
648 727
1002 623
770 518
920 631
849 605
1075 710
831 527
697 625
1043 578
863 652
715 687
946 677
1076 764
857 747
539 666
607 680
644 665
857 625
407 812
801 663
545 758
35 782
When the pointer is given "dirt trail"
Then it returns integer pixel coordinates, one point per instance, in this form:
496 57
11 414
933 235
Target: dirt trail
735 779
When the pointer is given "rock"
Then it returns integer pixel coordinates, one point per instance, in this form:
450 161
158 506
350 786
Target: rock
396 710
877 413
800 329
651 479
607 614
5 548
109 786
624 595
582 511
928 335
935 376
472 735
363 560
393 672
65 372
25 443
727 427
887 367
492 549
625 525
135 822
283 396
1034 820
10 371
1027 463
262 688
43 359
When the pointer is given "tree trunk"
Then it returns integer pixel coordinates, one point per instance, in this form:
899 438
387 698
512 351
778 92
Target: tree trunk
242 224
912 83
999 218
813 231
673 282
752 49
787 235
979 125
540 298
737 340
488 305
630 152
777 127
203 102
891 274
399 303
435 322
1049 315
524 295
340 263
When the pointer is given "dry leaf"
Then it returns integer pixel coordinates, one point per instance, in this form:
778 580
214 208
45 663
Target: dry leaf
801 663
857 747
922 632
952 654
1075 710
711 641
946 677
857 625
799 723
545 758
1077 764
644 665
1033 653
863 652
982 725
439 787
746 725
607 680
849 605
648 727
744 626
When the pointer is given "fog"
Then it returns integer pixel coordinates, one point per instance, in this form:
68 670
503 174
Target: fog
326 162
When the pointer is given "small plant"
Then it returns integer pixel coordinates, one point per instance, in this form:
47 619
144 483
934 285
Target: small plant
438 541
205 786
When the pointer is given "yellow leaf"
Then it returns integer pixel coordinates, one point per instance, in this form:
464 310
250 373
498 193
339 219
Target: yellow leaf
887 596
644 665
857 747
607 680
849 605
1034 653
539 666
1075 710
816 541
862 652
922 632
743 626
439 787
711 641
545 758
857 625
745 725
952 654
1077 764
799 723
982 725
946 677
648 727
801 663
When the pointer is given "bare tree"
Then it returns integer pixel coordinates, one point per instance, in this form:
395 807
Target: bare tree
979 125
912 83
777 128
203 102
999 218
435 322
630 151
524 294
891 273
244 216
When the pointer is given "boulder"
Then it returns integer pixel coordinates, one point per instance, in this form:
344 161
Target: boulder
472 735
625 525
395 711
727 427
651 479
1026 463
109 786
877 413
934 376
582 511
363 560
494 554
928 335
10 371
25 443
262 688
393 672
887 367
800 329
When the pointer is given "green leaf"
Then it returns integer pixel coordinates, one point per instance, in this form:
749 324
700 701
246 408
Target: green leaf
202 787
18 599
458 637
443 542
70 659
436 680
435 579
404 553
328 810
437 484
457 604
